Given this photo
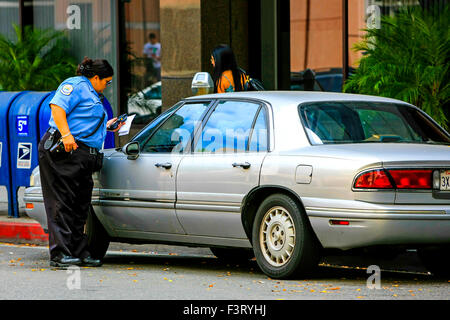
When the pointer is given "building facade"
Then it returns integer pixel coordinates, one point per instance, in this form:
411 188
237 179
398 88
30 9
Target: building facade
272 39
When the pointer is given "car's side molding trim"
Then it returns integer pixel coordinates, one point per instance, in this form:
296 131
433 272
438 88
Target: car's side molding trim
347 213
138 204
209 206
169 204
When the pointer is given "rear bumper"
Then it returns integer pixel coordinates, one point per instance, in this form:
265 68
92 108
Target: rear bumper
413 226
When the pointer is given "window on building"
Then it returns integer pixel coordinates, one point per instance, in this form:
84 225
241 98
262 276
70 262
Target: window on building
89 26
316 44
141 61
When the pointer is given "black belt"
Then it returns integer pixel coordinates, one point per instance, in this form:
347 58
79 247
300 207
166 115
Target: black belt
92 150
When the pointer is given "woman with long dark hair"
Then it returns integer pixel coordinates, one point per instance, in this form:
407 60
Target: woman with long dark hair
69 153
226 70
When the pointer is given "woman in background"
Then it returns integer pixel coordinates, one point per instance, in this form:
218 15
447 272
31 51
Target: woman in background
226 70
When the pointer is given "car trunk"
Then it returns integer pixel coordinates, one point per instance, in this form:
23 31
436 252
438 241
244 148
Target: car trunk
397 156
413 156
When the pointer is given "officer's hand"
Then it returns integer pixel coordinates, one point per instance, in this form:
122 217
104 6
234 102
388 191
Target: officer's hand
120 126
110 122
69 143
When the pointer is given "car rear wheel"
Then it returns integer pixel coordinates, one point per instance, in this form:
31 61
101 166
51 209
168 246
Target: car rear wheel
283 241
98 238
436 260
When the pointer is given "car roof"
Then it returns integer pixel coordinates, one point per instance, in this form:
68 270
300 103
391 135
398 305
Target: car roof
296 97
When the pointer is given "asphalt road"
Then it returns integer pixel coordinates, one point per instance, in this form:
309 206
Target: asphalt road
139 272
155 272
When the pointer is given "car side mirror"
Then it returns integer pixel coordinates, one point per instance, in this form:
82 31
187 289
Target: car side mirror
202 83
132 150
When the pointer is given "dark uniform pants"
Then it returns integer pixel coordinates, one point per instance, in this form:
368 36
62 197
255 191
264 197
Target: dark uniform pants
66 180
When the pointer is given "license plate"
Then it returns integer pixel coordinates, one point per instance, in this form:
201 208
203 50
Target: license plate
445 180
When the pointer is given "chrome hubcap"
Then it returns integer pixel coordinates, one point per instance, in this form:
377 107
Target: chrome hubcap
277 236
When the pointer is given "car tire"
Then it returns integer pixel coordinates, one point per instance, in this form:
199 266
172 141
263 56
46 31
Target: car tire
233 254
284 243
436 260
98 238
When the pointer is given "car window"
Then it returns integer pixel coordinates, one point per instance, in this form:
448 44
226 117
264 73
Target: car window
258 137
153 93
390 124
145 133
228 128
365 122
332 122
176 132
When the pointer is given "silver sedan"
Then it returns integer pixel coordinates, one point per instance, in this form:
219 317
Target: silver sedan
281 175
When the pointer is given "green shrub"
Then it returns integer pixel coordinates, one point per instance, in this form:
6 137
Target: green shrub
407 59
36 60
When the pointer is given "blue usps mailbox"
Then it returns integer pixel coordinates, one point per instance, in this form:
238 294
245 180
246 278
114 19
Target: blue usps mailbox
6 99
109 141
24 118
45 113
24 138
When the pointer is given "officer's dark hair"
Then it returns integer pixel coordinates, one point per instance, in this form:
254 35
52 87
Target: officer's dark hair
99 67
152 36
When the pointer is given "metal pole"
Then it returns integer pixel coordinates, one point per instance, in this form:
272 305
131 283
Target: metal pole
22 16
308 13
118 34
344 41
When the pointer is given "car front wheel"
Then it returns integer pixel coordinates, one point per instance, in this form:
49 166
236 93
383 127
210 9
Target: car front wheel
283 241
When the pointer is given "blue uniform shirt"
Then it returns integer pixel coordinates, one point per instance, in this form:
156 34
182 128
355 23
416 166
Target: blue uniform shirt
84 110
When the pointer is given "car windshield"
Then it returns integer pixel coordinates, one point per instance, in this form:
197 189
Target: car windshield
368 122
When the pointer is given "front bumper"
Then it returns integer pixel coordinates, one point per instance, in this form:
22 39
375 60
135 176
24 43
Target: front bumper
33 195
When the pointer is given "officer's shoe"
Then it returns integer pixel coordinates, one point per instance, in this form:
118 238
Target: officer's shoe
91 262
64 261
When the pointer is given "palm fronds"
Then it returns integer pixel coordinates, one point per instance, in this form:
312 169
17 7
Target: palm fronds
37 60
408 59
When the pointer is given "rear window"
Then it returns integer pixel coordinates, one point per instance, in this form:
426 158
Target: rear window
363 122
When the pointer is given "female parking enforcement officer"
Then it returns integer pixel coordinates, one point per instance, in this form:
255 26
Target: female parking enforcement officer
78 120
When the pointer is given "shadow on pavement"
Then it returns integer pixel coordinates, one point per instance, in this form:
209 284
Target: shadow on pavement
210 264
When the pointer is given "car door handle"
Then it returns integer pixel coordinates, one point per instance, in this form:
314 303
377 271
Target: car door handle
244 165
166 165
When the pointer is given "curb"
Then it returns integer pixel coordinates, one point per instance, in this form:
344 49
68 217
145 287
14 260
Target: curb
22 232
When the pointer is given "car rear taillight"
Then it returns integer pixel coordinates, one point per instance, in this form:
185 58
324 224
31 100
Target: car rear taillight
395 179
376 179
412 179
